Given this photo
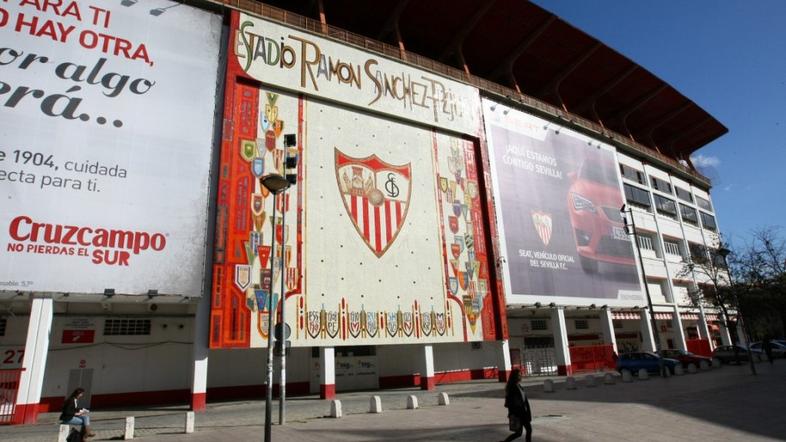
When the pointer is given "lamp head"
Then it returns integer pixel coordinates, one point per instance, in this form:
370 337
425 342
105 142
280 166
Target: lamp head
275 183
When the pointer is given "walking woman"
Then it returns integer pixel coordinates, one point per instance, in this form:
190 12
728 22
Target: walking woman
519 413
74 415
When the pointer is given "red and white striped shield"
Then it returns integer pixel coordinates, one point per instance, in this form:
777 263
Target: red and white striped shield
376 197
542 222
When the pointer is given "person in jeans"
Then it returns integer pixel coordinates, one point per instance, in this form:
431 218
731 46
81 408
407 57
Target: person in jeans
72 414
519 412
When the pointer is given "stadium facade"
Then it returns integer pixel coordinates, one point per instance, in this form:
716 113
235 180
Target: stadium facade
444 222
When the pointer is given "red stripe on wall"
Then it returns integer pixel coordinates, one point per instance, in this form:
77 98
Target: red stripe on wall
444 377
354 208
398 214
366 223
377 230
388 231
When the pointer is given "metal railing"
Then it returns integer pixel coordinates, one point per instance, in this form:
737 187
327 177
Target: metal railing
9 386
490 87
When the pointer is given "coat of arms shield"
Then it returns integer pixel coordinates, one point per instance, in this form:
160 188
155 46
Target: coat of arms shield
376 197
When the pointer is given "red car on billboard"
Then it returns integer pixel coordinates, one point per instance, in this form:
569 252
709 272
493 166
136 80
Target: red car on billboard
594 201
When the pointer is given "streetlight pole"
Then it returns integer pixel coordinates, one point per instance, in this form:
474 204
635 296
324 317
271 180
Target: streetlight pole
724 252
624 210
276 184
282 338
269 386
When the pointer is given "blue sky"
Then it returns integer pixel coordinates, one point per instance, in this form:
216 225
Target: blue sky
729 57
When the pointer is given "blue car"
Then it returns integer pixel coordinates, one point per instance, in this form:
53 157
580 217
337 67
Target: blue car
648 361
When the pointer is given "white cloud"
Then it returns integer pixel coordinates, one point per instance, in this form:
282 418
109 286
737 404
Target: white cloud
700 160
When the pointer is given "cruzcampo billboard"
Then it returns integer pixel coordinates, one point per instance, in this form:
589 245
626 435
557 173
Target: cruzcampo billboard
558 206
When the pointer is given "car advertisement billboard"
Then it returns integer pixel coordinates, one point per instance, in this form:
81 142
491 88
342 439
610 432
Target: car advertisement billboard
558 206
106 131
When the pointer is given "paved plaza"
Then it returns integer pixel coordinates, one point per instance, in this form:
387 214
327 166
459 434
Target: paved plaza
726 404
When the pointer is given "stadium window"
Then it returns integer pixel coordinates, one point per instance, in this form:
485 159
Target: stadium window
126 327
698 253
717 259
617 323
581 324
3 324
689 215
708 222
645 242
683 194
666 206
661 185
672 247
703 203
538 325
632 174
637 197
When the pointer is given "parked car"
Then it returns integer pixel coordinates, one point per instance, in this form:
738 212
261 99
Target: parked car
726 353
646 360
778 349
685 357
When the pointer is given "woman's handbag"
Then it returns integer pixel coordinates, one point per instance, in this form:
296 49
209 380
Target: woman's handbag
514 423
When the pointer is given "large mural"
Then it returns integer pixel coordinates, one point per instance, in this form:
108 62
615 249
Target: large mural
384 240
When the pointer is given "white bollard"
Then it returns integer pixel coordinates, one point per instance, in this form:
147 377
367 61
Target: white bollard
627 376
643 374
189 422
590 380
692 368
548 386
608 379
678 371
62 435
335 408
375 405
443 399
129 434
703 365
570 383
716 363
412 402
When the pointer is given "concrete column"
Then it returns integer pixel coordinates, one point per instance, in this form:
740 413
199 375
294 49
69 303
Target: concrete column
34 361
427 381
561 349
199 353
741 334
504 365
327 363
647 336
704 330
607 328
679 332
725 333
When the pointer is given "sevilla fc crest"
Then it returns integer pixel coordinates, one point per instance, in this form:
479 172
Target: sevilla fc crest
542 222
376 197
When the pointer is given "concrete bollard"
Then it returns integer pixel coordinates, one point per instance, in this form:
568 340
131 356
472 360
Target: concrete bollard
589 380
129 433
375 405
678 370
643 374
570 383
335 409
443 399
189 422
703 366
608 379
62 435
692 368
716 363
627 376
412 402
548 386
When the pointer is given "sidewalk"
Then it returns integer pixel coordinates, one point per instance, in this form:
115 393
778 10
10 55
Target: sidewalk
726 404
152 421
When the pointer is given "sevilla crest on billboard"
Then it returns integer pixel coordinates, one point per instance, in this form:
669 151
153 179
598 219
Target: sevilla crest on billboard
376 196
